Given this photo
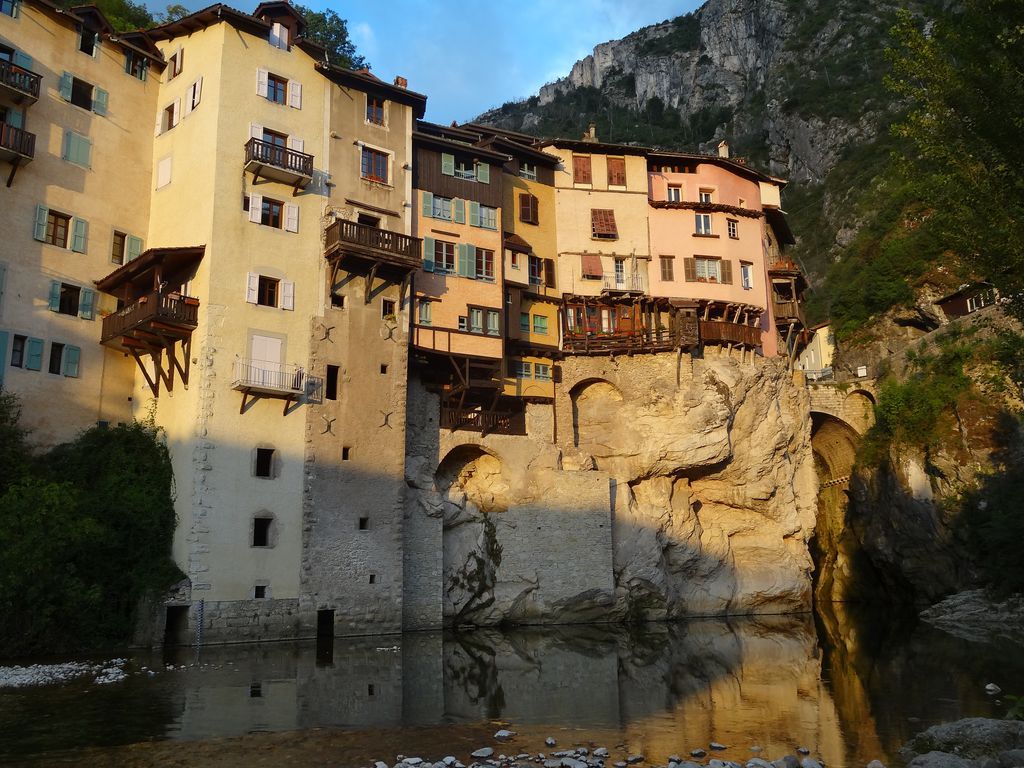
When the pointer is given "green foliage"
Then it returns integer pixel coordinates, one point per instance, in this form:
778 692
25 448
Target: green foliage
331 31
683 36
14 451
123 15
85 534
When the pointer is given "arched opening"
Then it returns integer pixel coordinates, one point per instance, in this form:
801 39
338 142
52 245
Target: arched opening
595 410
858 410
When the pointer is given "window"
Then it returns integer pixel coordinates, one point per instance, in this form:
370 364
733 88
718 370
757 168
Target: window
278 36
667 269
540 325
441 208
163 172
542 372
734 228
18 351
346 453
476 321
261 530
704 269
465 170
88 41
444 257
520 369
524 322
581 170
56 357
703 223
193 95
488 217
117 248
364 523
264 462
136 65
423 313
704 196
493 322
528 171
337 300
270 214
9 7
259 592
174 64
375 165
267 291
83 94
331 386
277 89
387 309
616 171
463 323
69 299
57 225
514 259
602 223
170 116
746 275
528 209
374 110
484 264
536 270
124 248
675 193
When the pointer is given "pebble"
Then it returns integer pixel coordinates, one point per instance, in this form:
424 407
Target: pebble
550 741
412 761
757 762
716 745
503 734
993 690
697 752
482 753
51 674
810 762
634 759
380 764
803 750
602 752
876 764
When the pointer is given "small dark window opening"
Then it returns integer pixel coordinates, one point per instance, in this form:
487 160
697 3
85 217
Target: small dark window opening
373 580
56 356
264 462
261 532
387 308
369 690
364 523
325 623
70 296
259 592
345 453
176 625
337 300
266 294
88 42
332 382
81 93
18 351
383 368
256 690
368 220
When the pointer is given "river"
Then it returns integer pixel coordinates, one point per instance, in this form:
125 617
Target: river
849 690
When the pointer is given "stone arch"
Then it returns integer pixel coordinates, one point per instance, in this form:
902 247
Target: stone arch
595 407
473 475
858 410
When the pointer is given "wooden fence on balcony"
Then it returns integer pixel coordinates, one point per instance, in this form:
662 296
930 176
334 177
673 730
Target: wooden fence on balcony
20 79
372 239
268 153
721 331
18 141
474 420
172 309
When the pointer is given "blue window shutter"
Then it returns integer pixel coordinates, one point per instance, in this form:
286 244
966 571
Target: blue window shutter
447 164
54 295
15 118
42 214
3 356
99 101
22 59
471 260
34 355
87 304
483 173
465 269
428 254
65 86
72 356
83 151
79 235
428 205
65 147
133 248
459 210
474 214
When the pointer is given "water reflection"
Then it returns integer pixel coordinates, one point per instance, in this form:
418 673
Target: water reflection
851 697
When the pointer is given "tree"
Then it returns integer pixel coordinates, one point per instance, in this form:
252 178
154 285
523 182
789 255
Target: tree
123 15
963 80
331 31
173 12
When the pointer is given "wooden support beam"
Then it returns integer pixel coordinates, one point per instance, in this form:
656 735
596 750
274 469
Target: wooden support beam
14 170
153 385
369 282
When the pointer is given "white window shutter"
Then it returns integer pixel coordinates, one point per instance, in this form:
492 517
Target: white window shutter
256 131
163 173
295 94
177 112
188 99
261 82
255 208
252 287
296 143
287 294
291 217
197 92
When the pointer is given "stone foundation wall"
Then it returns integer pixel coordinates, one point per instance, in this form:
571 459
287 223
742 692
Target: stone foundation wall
242 621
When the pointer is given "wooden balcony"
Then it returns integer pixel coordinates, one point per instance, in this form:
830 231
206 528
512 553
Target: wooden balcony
267 160
16 145
483 421
724 332
154 314
786 311
621 342
19 83
348 239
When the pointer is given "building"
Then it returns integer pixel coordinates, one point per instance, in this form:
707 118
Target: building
816 358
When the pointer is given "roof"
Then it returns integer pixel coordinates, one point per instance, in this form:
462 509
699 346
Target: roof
135 268
965 289
516 243
776 218
594 146
511 147
364 80
458 146
93 18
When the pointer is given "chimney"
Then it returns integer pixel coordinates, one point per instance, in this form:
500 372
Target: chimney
401 82
591 133
723 148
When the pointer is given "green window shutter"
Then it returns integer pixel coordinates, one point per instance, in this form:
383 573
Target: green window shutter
72 356
471 260
483 173
459 210
99 101
428 254
34 355
22 59
65 147
79 235
83 151
87 304
474 213
15 118
42 214
465 268
133 248
65 86
428 205
3 356
447 164
54 295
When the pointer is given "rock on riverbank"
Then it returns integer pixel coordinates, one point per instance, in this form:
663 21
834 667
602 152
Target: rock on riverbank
973 615
970 743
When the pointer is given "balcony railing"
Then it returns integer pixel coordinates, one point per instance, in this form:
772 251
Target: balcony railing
269 377
621 341
374 242
505 423
730 333
635 282
17 141
788 310
261 156
172 309
23 81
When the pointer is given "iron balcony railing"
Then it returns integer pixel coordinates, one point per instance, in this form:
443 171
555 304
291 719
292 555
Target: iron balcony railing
379 241
268 375
170 308
17 140
634 282
20 79
268 153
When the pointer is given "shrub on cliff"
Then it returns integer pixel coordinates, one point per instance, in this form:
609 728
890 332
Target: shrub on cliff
85 534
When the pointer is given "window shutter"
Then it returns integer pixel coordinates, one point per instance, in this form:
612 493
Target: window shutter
187 108
726 272
42 214
287 295
295 94
471 261
54 295
84 151
428 204
133 248
465 267
447 163
459 210
34 354
255 208
428 254
474 213
291 217
197 92
262 78
549 273
176 114
22 59
256 131
99 101
72 356
65 86
87 304
15 119
252 287
483 173
581 169
296 144
65 147
690 270
79 235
